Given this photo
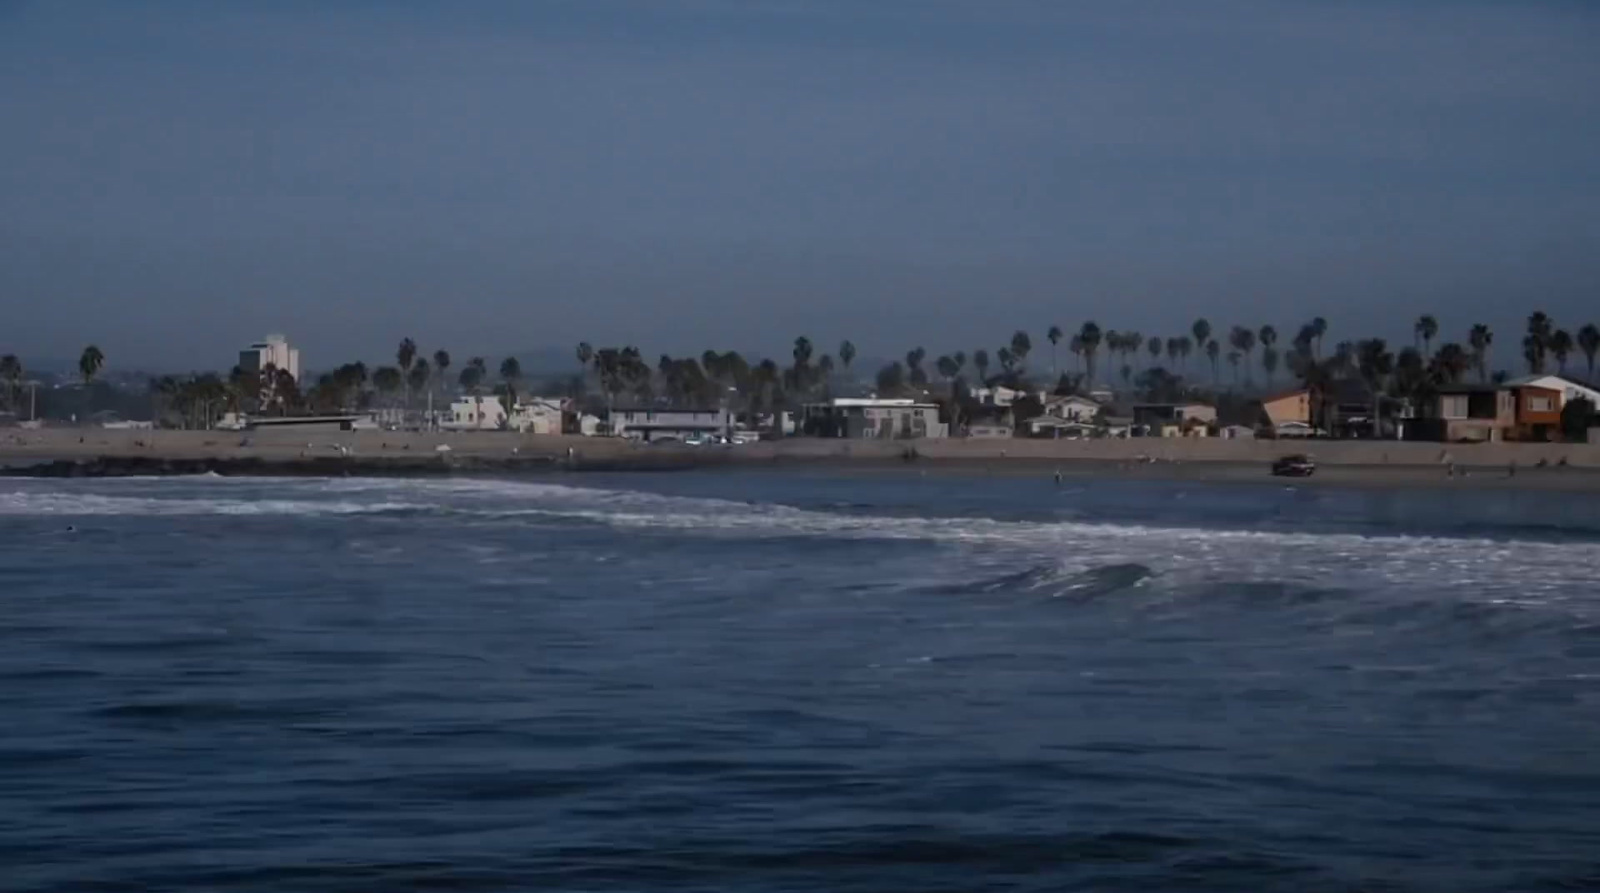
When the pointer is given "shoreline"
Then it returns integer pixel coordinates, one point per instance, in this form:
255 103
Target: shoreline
1069 469
68 453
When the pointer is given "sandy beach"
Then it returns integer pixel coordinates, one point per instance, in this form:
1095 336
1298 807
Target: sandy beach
1552 466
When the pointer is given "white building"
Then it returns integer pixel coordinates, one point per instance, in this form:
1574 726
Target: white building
272 351
1571 389
1072 408
652 423
870 417
538 415
474 414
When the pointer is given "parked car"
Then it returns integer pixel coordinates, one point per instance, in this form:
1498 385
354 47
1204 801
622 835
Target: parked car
1297 465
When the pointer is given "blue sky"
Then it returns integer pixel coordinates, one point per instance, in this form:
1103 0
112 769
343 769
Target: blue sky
179 178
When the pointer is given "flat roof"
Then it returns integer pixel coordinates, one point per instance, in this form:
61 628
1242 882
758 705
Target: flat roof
844 402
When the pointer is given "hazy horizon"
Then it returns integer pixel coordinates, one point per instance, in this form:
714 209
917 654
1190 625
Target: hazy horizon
181 179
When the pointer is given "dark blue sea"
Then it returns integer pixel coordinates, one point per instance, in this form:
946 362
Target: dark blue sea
760 681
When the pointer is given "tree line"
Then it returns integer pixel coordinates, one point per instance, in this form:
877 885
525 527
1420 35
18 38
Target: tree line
1153 365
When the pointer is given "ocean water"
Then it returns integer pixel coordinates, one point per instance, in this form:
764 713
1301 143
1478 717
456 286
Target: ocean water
756 681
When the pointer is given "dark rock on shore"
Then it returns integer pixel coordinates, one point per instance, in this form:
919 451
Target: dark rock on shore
321 466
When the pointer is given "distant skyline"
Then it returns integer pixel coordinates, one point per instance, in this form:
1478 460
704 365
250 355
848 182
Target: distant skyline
179 178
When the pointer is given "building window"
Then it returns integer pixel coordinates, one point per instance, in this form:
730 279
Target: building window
1453 406
1539 404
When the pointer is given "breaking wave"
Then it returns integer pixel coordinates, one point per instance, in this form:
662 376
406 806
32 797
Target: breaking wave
1075 558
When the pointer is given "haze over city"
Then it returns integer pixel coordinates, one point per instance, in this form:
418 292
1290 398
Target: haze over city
180 178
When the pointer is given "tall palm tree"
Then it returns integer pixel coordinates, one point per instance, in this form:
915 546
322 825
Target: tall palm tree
1425 328
1054 336
11 374
1243 339
511 374
1202 331
980 361
1233 360
1480 338
1375 364
89 365
1269 363
417 379
405 355
1213 350
1021 346
1174 349
441 362
1268 336
847 355
1560 348
472 376
1588 342
1537 342
1089 336
1318 328
1154 346
90 362
1451 362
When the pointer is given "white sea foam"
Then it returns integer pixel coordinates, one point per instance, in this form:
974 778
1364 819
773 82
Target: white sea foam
1492 569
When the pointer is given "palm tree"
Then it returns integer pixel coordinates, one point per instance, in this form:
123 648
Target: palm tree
1451 362
477 369
11 374
1089 336
914 358
1318 328
406 354
1054 335
1588 342
1480 338
388 379
1021 346
1537 342
1425 328
1202 331
847 355
1174 349
1560 348
1268 337
1154 346
1213 350
1376 364
1269 362
1233 360
441 362
417 378
980 361
1243 340
511 374
89 365
948 370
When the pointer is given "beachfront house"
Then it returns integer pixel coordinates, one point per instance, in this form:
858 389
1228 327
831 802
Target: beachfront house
1567 387
652 424
1191 419
538 415
872 418
1072 408
474 413
1524 409
1285 408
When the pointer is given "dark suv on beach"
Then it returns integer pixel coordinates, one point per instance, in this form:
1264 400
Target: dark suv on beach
1298 465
